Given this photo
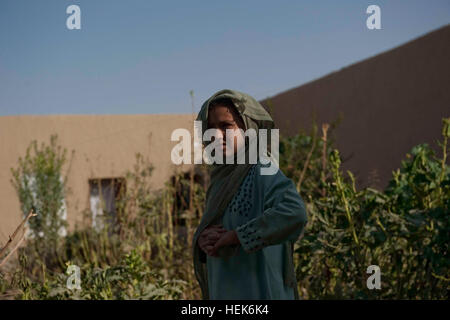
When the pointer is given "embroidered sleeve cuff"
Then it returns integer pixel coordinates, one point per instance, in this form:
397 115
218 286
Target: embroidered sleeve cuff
250 238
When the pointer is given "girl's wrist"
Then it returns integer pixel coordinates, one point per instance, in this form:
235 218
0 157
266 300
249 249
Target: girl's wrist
235 237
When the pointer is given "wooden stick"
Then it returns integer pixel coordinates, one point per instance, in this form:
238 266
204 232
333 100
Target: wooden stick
13 250
11 237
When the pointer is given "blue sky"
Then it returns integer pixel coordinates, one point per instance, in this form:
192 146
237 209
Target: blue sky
142 57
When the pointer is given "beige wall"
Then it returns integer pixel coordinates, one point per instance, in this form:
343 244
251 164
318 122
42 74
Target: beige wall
105 146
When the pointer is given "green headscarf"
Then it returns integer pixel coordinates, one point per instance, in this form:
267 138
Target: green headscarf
225 178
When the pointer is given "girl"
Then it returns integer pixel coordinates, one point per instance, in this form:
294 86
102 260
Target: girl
243 247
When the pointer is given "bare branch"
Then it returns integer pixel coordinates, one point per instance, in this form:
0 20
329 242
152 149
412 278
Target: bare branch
13 250
11 237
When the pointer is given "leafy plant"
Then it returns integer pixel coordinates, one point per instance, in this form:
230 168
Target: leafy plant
41 188
403 230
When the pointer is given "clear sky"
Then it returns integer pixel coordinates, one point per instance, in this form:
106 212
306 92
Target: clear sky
143 56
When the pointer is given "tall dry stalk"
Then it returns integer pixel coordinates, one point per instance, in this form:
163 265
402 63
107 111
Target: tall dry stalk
191 196
308 158
168 204
325 127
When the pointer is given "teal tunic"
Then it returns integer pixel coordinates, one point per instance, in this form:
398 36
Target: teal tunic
266 212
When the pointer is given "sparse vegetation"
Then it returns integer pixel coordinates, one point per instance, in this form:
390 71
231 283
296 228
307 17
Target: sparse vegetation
147 253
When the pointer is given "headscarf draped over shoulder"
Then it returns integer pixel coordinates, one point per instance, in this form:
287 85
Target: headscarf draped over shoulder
225 178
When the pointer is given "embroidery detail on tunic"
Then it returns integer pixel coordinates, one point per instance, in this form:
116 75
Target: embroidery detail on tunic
243 200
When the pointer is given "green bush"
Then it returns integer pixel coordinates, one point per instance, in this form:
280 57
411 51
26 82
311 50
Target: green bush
41 187
403 230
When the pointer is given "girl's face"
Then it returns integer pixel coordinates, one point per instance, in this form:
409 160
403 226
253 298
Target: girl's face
221 118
